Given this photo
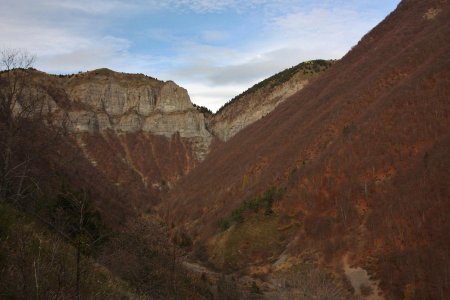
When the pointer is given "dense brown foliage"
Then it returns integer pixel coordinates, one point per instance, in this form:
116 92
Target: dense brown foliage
140 164
143 256
61 214
363 153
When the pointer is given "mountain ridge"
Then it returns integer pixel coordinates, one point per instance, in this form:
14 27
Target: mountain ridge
157 135
351 154
260 99
340 192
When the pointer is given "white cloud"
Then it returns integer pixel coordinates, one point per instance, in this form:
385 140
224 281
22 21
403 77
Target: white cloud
103 7
108 51
68 36
197 6
211 96
95 7
320 26
40 39
239 70
68 44
204 5
214 35
214 75
288 40
208 6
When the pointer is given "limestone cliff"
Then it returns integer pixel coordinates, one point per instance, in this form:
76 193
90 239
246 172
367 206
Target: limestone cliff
128 103
101 100
263 97
140 133
145 133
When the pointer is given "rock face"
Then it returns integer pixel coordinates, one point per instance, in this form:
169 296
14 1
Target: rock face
144 133
104 100
262 98
140 133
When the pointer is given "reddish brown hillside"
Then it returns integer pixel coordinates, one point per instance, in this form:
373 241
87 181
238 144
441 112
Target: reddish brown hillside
141 163
363 154
136 133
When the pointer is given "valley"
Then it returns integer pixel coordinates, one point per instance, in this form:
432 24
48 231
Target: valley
328 180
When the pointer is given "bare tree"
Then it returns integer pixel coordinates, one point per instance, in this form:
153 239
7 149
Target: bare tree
25 108
16 106
308 281
75 219
14 65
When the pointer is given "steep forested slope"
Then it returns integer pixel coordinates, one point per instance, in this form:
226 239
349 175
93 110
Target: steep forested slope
354 166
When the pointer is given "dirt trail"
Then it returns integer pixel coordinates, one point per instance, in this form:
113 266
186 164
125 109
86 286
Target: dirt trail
358 278
197 268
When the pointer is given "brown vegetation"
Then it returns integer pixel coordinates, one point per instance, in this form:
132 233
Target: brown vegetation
362 153
60 215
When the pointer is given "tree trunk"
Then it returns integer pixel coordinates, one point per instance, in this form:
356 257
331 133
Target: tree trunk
77 291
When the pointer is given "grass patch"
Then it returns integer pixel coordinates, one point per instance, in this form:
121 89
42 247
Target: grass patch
256 204
251 241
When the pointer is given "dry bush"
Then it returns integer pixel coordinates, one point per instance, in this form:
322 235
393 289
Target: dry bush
143 256
37 263
308 281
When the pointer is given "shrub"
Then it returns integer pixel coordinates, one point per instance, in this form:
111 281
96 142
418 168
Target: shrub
255 288
264 202
224 225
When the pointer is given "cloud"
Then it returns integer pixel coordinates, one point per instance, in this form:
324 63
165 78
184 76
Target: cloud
214 6
323 24
288 40
212 96
108 51
213 60
70 43
214 35
104 7
196 6
239 70
40 39
95 7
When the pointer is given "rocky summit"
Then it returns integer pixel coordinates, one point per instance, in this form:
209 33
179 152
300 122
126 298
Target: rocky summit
144 133
102 100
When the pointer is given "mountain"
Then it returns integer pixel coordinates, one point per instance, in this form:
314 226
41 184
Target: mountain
145 134
328 187
121 141
76 216
263 97
141 133
350 173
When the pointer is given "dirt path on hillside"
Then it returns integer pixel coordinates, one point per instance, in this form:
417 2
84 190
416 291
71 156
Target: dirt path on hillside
198 268
360 280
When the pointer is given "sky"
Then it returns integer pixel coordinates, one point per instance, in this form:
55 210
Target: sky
216 49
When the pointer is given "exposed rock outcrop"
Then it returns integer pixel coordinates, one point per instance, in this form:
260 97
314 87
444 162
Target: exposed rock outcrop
101 100
145 133
124 103
262 98
140 133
